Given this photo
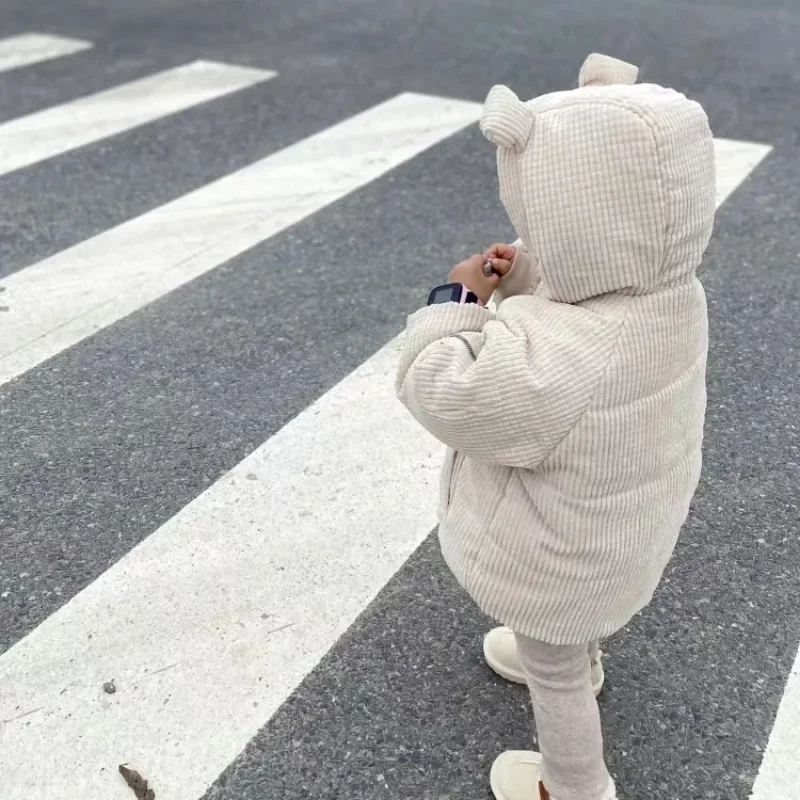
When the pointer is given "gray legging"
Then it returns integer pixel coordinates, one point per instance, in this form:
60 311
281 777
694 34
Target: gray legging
567 720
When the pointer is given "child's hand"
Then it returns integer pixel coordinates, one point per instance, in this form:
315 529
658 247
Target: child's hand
504 252
471 274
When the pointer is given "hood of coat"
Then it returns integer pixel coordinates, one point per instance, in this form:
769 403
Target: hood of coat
611 186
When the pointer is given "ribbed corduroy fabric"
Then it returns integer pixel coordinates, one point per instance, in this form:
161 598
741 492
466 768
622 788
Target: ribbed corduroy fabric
574 415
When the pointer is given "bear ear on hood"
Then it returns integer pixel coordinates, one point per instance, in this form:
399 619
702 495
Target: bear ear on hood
600 70
506 120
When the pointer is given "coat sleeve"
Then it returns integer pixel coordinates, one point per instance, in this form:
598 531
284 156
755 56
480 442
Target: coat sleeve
501 390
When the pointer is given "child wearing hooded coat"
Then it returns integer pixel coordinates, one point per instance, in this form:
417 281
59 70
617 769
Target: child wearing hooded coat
574 414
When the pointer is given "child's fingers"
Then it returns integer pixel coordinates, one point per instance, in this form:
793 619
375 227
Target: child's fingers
500 266
494 250
500 250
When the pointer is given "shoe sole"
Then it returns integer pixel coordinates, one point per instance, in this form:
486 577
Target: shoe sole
516 676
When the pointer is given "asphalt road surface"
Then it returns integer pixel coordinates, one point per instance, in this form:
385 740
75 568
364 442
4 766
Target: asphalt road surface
214 219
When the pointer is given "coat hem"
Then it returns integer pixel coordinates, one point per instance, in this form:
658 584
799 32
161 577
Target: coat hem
556 634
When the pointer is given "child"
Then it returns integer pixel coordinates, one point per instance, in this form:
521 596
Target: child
574 414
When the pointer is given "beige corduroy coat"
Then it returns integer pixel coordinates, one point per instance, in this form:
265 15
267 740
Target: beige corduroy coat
574 414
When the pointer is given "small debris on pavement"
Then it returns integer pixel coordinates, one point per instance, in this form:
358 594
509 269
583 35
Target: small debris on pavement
137 783
109 687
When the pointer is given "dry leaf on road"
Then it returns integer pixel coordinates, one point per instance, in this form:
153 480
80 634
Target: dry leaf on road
137 783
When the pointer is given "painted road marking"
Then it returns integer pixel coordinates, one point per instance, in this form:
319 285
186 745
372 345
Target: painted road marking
735 161
211 623
779 775
34 48
44 134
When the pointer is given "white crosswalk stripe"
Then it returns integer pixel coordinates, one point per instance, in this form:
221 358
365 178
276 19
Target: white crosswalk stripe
779 775
28 140
284 531
33 48
182 616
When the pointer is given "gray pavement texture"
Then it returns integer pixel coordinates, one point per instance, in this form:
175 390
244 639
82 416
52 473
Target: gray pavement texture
103 443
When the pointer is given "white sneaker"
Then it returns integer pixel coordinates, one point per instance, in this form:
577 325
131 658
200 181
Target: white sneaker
500 651
516 775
